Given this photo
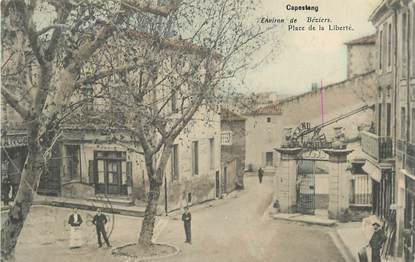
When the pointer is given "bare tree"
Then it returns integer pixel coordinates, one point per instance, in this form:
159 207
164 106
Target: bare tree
181 73
47 48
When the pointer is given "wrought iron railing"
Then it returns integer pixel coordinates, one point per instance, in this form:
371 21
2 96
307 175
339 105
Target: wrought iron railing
361 190
376 146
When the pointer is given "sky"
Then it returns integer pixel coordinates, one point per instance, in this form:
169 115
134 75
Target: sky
306 57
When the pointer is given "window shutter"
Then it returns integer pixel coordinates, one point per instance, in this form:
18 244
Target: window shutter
263 159
130 173
91 171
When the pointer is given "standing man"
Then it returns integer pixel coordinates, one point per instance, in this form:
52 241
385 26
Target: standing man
187 221
75 221
99 221
260 174
376 242
5 188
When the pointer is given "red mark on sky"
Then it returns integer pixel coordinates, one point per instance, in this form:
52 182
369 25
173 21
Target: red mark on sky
322 101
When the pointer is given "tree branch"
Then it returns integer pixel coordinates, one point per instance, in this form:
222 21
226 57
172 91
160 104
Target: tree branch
163 11
14 102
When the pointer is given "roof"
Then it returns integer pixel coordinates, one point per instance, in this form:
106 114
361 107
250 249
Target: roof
366 40
274 109
228 115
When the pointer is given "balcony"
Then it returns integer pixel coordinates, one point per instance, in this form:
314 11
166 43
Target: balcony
375 146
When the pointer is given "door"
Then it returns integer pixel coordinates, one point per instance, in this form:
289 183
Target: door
111 177
217 185
306 187
225 179
114 177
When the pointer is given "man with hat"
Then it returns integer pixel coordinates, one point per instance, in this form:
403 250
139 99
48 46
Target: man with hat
99 221
376 241
187 221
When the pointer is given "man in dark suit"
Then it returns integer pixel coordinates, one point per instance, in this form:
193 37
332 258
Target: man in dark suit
376 242
6 187
99 221
187 221
260 174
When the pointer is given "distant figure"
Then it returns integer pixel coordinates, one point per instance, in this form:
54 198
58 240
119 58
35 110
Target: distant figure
260 174
376 242
75 221
187 221
99 221
5 188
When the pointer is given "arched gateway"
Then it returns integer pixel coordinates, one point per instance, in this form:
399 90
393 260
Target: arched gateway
302 153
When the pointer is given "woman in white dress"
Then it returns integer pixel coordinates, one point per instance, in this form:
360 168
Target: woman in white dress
75 222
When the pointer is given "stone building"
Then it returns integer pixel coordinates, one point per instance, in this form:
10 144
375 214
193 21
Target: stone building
233 147
360 55
265 126
391 144
88 162
261 138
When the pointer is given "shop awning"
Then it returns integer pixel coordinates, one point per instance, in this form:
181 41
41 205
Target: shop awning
374 172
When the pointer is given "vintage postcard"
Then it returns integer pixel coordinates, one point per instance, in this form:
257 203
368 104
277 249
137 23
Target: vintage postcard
208 130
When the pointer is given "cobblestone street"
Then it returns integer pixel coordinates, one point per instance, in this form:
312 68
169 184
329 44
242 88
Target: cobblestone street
234 229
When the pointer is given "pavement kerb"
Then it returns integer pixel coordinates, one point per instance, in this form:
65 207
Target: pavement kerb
298 219
115 252
341 246
208 204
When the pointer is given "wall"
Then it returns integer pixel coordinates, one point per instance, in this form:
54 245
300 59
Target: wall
339 98
201 186
238 147
261 137
360 59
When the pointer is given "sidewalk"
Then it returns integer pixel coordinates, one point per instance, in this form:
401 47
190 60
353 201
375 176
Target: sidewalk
352 238
90 204
320 218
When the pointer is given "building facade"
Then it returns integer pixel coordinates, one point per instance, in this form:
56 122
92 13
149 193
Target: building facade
233 147
395 122
93 159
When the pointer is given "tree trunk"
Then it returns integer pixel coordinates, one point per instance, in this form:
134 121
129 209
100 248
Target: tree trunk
32 170
147 227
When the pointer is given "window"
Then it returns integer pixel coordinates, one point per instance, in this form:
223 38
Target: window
72 161
389 44
195 157
212 153
174 159
388 119
269 158
403 123
268 119
380 49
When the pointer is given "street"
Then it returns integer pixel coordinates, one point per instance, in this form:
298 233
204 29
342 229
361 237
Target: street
234 229
238 230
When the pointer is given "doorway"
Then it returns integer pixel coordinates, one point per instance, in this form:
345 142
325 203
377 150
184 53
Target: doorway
111 173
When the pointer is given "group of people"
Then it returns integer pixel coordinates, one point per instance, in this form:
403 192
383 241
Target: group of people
100 220
75 222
